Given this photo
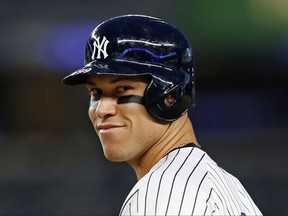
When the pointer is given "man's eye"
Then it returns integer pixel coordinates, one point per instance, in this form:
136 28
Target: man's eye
123 88
95 94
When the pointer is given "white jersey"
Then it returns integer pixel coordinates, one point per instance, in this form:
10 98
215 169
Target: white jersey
188 182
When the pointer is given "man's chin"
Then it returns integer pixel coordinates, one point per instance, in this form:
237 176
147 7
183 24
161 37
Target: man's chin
114 156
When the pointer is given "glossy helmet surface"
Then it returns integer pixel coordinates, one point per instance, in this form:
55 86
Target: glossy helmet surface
134 45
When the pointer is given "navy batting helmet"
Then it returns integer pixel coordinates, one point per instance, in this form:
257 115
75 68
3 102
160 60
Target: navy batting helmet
133 45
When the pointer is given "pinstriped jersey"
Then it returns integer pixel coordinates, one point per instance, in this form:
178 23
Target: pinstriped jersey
188 182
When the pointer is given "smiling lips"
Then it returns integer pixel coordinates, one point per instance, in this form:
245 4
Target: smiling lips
107 127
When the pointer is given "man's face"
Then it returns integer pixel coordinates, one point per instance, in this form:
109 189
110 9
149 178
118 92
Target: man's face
126 130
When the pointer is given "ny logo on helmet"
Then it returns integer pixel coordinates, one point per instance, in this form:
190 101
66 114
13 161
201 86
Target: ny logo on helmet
100 47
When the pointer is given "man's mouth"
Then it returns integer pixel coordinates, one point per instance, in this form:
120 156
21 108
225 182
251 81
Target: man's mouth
108 127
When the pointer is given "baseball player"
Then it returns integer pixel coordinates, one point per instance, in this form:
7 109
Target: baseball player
140 75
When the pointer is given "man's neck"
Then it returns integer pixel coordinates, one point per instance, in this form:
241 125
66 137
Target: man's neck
178 133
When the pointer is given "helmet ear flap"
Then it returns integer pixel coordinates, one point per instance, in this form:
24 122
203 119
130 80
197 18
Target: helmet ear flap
165 105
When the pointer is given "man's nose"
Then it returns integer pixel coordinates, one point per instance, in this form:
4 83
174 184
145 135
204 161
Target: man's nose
106 107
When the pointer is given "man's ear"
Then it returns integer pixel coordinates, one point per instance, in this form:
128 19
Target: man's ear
170 99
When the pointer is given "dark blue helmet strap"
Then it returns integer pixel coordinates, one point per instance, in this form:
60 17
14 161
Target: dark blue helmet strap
131 99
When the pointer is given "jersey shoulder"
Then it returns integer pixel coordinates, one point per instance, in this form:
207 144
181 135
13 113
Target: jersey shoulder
188 182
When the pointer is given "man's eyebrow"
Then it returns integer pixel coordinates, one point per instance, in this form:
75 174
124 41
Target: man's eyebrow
120 78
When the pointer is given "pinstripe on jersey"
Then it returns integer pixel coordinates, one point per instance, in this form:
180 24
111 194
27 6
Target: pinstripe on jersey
188 182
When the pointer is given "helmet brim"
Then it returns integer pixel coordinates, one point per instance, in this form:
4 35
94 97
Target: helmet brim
120 67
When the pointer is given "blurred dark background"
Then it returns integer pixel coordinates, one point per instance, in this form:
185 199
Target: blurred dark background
50 159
